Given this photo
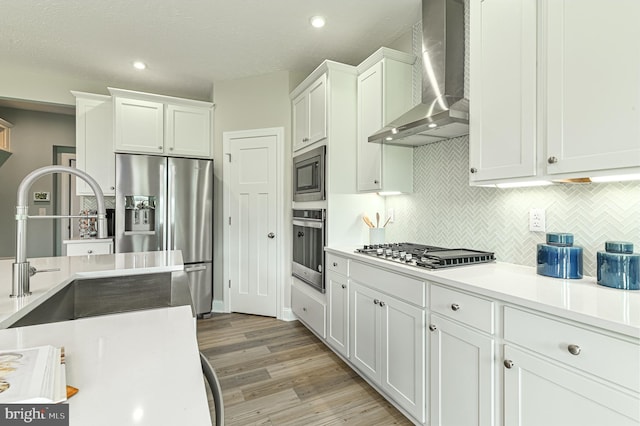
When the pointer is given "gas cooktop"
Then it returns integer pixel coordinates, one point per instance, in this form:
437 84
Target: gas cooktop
424 256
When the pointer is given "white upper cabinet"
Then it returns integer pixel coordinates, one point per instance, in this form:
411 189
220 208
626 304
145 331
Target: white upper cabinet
592 85
551 97
310 114
94 142
384 93
154 124
502 89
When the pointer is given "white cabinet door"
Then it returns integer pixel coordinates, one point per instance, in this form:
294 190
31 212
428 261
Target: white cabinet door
94 142
370 120
139 125
540 392
403 354
384 93
318 110
593 85
502 121
188 131
300 106
338 317
88 247
461 375
365 330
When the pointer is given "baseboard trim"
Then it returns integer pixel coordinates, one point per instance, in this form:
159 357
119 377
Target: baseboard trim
218 306
288 315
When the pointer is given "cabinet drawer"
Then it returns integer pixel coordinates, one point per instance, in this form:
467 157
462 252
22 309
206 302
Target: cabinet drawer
81 249
463 307
602 355
337 264
308 310
405 288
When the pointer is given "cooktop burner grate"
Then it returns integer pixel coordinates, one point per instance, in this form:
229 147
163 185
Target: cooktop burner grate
425 256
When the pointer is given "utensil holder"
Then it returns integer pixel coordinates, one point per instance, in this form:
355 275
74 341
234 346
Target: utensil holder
376 235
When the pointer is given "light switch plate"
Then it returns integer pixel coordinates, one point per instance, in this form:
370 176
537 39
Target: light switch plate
537 220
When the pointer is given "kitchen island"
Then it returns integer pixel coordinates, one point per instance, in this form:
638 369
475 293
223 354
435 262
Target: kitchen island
139 367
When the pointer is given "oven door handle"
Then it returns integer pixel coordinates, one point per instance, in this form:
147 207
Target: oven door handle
308 223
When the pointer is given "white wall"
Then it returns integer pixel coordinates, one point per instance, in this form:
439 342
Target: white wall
242 104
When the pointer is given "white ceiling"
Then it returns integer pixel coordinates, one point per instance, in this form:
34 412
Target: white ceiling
189 44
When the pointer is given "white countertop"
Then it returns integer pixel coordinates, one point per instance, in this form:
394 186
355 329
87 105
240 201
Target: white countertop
45 284
581 300
139 368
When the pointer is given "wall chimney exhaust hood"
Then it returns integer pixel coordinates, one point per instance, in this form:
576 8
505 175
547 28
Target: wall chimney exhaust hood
444 112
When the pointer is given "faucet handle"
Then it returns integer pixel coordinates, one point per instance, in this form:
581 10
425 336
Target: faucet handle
33 270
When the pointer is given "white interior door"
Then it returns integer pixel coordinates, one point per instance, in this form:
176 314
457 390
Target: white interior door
253 240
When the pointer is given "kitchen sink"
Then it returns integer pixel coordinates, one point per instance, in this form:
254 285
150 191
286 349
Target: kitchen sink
88 297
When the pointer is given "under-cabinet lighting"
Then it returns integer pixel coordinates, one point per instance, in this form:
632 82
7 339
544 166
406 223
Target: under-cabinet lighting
385 193
617 178
317 21
139 65
524 184
388 138
432 125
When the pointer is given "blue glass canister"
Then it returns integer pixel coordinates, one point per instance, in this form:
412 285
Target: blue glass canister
559 258
619 266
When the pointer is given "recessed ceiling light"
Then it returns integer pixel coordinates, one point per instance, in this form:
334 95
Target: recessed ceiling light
317 21
139 65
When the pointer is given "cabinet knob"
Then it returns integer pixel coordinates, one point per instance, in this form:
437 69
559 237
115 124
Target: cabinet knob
335 263
455 307
305 139
508 363
376 181
112 187
376 301
382 303
304 309
160 148
271 235
473 170
171 149
552 160
574 349
343 286
432 327
91 251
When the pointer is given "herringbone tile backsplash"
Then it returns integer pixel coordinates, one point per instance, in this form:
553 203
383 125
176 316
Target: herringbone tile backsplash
444 210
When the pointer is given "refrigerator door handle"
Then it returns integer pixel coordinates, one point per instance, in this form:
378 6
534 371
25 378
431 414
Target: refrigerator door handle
195 268
171 206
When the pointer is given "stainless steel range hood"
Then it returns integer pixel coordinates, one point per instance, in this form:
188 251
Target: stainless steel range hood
444 112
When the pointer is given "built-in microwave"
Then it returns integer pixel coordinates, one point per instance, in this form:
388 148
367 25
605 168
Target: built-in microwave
308 175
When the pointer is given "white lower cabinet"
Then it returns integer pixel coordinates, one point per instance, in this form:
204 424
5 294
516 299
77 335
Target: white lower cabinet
308 308
388 345
538 391
338 316
461 381
88 247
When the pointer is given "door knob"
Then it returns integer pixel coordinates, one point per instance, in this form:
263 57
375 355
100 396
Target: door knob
271 235
508 363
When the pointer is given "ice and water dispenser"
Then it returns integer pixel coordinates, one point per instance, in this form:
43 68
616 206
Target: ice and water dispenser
140 213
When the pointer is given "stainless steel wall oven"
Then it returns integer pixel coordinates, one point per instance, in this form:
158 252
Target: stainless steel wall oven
308 246
308 175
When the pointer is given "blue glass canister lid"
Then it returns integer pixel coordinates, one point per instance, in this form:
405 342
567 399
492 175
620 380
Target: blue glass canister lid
618 247
560 238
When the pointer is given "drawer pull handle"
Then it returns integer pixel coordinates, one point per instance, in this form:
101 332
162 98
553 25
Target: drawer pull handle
344 286
574 349
382 303
455 307
432 327
508 363
376 301
304 309
335 263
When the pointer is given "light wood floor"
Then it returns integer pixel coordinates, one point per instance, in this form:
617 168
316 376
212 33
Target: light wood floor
278 373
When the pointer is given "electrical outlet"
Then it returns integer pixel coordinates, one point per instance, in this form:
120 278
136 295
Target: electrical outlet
537 220
391 214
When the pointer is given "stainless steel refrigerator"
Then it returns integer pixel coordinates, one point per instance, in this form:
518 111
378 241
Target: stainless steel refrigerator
166 203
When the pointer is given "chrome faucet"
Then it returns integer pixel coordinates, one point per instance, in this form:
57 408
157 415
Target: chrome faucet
21 269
